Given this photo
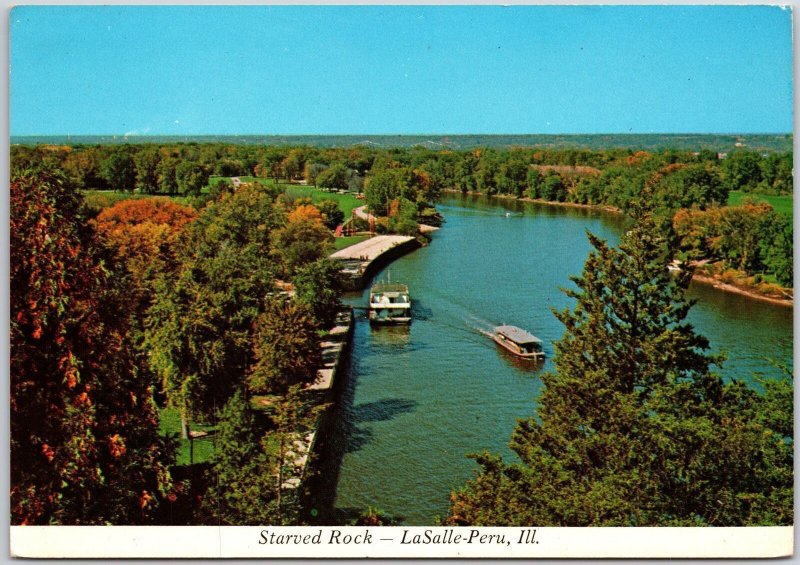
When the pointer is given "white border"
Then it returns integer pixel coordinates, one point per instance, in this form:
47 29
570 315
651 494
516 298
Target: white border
382 542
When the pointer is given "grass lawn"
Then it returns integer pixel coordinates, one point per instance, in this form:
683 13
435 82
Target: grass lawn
347 202
100 199
347 241
170 424
781 204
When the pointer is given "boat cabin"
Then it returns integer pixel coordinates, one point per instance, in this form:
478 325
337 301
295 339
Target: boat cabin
518 341
389 303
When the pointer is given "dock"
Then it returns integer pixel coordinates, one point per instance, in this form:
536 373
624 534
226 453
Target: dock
360 261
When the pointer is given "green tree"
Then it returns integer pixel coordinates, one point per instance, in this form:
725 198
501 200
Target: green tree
300 242
146 162
190 178
742 170
777 247
333 215
381 188
165 171
286 347
534 182
242 491
333 178
552 188
312 171
633 428
201 322
119 171
697 186
317 286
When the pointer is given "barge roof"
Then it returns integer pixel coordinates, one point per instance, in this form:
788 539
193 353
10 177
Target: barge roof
517 335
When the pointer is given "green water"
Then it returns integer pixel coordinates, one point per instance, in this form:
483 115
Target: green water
419 399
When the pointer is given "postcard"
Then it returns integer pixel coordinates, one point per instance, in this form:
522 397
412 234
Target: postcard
401 281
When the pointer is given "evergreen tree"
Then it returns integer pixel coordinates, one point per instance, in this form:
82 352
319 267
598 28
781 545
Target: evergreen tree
633 428
256 478
242 488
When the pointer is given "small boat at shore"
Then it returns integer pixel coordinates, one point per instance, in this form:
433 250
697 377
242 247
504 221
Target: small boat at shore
389 303
518 341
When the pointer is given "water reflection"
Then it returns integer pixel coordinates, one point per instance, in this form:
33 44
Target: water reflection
390 336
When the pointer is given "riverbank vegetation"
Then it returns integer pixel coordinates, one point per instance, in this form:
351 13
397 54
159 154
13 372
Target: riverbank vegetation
634 428
185 279
152 309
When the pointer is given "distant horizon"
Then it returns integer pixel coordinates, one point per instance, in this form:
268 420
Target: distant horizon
769 142
423 134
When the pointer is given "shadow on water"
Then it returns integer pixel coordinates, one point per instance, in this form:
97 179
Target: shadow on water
345 433
382 410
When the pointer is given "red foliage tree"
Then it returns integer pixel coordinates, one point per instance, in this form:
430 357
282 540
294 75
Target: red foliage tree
84 441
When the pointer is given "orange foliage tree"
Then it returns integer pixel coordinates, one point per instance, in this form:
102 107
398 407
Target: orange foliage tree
306 212
145 235
84 430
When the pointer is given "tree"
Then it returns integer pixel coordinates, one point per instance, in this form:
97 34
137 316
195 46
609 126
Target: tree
144 234
534 183
777 247
201 321
83 168
190 178
687 186
552 188
222 186
402 215
119 171
165 171
256 476
293 164
317 286
84 429
742 170
333 178
146 162
301 241
633 428
285 346
312 171
242 488
331 213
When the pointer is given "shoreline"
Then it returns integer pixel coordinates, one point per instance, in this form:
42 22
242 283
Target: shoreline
749 293
703 279
609 209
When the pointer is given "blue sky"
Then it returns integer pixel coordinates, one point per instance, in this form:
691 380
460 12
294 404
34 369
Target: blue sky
410 69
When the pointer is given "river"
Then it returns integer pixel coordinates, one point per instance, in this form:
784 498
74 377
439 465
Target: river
419 399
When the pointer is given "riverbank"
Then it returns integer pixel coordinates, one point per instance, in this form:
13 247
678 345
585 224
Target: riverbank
361 261
749 292
604 208
713 280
